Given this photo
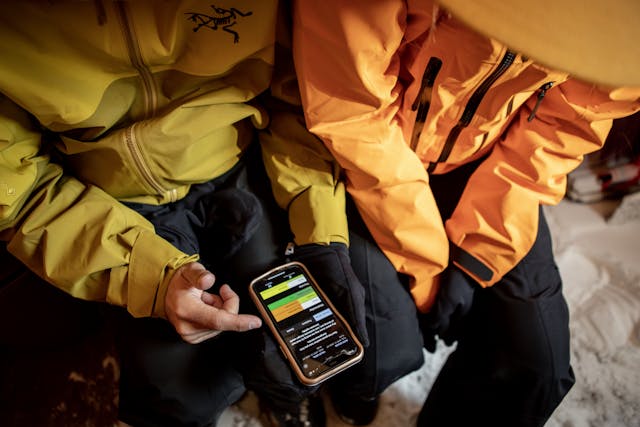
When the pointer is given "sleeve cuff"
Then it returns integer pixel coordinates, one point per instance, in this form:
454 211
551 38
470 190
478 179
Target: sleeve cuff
153 262
471 265
318 215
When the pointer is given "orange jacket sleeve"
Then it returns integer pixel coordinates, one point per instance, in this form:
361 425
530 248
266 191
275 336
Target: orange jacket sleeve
351 95
496 219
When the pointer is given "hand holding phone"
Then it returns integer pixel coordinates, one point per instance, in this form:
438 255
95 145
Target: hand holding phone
331 266
313 336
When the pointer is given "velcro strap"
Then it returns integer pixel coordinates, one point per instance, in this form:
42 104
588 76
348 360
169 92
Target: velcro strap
470 263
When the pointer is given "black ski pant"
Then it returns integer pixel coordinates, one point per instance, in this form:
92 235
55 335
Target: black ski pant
511 366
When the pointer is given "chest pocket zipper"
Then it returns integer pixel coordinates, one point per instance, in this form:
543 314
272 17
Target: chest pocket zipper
423 100
471 107
541 94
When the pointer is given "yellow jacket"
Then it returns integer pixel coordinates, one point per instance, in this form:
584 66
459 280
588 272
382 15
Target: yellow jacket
103 102
399 90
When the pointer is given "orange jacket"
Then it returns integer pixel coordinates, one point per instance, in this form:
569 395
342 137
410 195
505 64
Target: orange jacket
398 90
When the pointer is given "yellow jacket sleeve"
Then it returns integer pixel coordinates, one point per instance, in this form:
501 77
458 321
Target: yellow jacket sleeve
75 236
306 180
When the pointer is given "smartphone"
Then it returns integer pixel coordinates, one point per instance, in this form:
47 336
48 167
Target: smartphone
314 337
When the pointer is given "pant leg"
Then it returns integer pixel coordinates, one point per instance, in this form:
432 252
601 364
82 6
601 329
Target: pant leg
165 381
391 317
265 370
511 366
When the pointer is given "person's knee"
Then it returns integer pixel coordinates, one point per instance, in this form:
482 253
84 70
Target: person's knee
536 384
166 381
180 402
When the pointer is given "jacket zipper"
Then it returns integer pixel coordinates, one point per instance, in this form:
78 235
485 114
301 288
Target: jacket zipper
423 100
541 93
471 108
135 56
150 105
136 153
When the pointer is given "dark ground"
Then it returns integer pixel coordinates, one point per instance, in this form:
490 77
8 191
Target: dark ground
58 364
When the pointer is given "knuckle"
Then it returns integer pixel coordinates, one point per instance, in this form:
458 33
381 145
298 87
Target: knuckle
216 324
181 311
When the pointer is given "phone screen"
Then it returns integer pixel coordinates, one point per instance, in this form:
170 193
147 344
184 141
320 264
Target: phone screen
307 323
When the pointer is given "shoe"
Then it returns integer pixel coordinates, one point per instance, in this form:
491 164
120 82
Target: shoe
310 413
356 411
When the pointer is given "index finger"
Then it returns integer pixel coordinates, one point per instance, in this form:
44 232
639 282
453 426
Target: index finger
218 319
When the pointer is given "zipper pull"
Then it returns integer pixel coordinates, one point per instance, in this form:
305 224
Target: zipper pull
289 250
428 79
543 91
